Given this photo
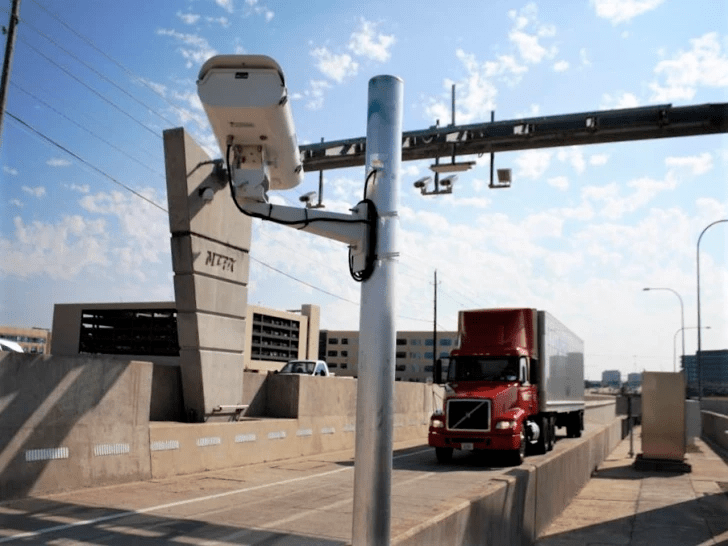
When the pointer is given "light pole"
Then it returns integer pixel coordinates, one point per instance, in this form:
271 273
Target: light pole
682 316
698 362
674 341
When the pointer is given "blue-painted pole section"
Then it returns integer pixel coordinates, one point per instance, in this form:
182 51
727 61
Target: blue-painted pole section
377 329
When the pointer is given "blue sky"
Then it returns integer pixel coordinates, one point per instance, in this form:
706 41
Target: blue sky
580 233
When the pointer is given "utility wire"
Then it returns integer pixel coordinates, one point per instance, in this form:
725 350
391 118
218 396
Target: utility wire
110 58
99 74
102 97
79 158
89 131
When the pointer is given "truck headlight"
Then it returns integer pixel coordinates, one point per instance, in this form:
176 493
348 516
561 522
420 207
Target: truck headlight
436 423
504 425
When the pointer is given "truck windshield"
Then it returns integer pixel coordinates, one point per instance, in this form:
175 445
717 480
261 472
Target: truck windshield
483 368
298 366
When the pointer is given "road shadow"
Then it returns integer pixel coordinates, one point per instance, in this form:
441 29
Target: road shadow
684 524
35 521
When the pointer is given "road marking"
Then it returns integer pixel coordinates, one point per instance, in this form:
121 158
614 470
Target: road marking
83 523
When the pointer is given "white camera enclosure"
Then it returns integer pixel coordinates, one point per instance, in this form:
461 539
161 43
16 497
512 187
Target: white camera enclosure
246 101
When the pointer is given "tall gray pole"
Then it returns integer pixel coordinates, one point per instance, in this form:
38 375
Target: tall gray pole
7 62
698 355
377 331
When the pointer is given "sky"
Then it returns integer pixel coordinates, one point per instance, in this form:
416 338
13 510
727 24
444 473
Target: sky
580 233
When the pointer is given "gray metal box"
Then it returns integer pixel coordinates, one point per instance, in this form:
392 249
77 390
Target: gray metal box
663 415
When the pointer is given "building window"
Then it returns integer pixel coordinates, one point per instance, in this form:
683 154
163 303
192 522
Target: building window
444 354
401 354
428 369
416 355
428 355
333 341
429 342
446 342
333 353
401 368
344 340
344 353
344 366
401 341
415 342
333 365
416 368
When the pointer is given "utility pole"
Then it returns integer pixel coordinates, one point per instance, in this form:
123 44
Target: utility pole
434 328
8 61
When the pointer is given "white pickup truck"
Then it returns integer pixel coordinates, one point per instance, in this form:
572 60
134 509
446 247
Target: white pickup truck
306 367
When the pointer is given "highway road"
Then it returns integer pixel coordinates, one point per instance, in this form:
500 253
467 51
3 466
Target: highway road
296 501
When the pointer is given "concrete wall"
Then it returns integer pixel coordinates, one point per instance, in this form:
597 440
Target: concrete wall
67 423
715 427
522 503
716 405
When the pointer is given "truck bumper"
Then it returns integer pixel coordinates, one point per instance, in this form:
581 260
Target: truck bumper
495 442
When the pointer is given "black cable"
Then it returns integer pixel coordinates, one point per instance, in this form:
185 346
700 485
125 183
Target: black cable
371 221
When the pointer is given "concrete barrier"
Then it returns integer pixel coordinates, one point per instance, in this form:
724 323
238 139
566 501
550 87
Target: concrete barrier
517 506
67 423
715 427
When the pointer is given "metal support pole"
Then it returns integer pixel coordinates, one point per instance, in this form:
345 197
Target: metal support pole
377 337
698 353
8 61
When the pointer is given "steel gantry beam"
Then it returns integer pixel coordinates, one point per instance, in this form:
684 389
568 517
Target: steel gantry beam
660 121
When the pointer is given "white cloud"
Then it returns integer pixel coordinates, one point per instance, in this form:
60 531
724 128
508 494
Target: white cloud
561 66
533 163
315 93
259 9
699 164
610 202
704 65
559 182
528 45
38 191
188 18
16 203
365 42
58 162
195 49
598 159
10 170
222 21
227 5
61 250
584 57
336 67
616 102
574 155
621 11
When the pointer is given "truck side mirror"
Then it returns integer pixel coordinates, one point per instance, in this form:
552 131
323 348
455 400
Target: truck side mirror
437 372
523 370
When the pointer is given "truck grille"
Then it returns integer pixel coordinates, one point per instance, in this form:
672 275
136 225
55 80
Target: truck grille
468 415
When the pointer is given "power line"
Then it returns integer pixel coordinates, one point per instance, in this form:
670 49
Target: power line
109 57
127 114
89 131
82 160
99 74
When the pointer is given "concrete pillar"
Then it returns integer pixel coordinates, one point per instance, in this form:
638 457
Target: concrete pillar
313 312
210 244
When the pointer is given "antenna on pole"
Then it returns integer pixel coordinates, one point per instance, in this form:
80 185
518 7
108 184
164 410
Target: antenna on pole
434 325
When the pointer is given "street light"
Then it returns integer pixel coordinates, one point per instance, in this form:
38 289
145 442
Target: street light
674 340
682 316
698 362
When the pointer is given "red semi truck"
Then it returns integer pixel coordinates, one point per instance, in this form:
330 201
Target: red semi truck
512 378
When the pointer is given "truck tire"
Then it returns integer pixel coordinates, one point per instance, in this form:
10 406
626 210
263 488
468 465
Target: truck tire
573 426
519 455
541 445
551 427
443 454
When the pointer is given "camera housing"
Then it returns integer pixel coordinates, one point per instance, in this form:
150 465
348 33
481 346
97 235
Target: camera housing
246 101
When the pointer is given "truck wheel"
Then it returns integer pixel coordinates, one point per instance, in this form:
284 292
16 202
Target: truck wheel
573 427
519 455
541 445
551 435
443 454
